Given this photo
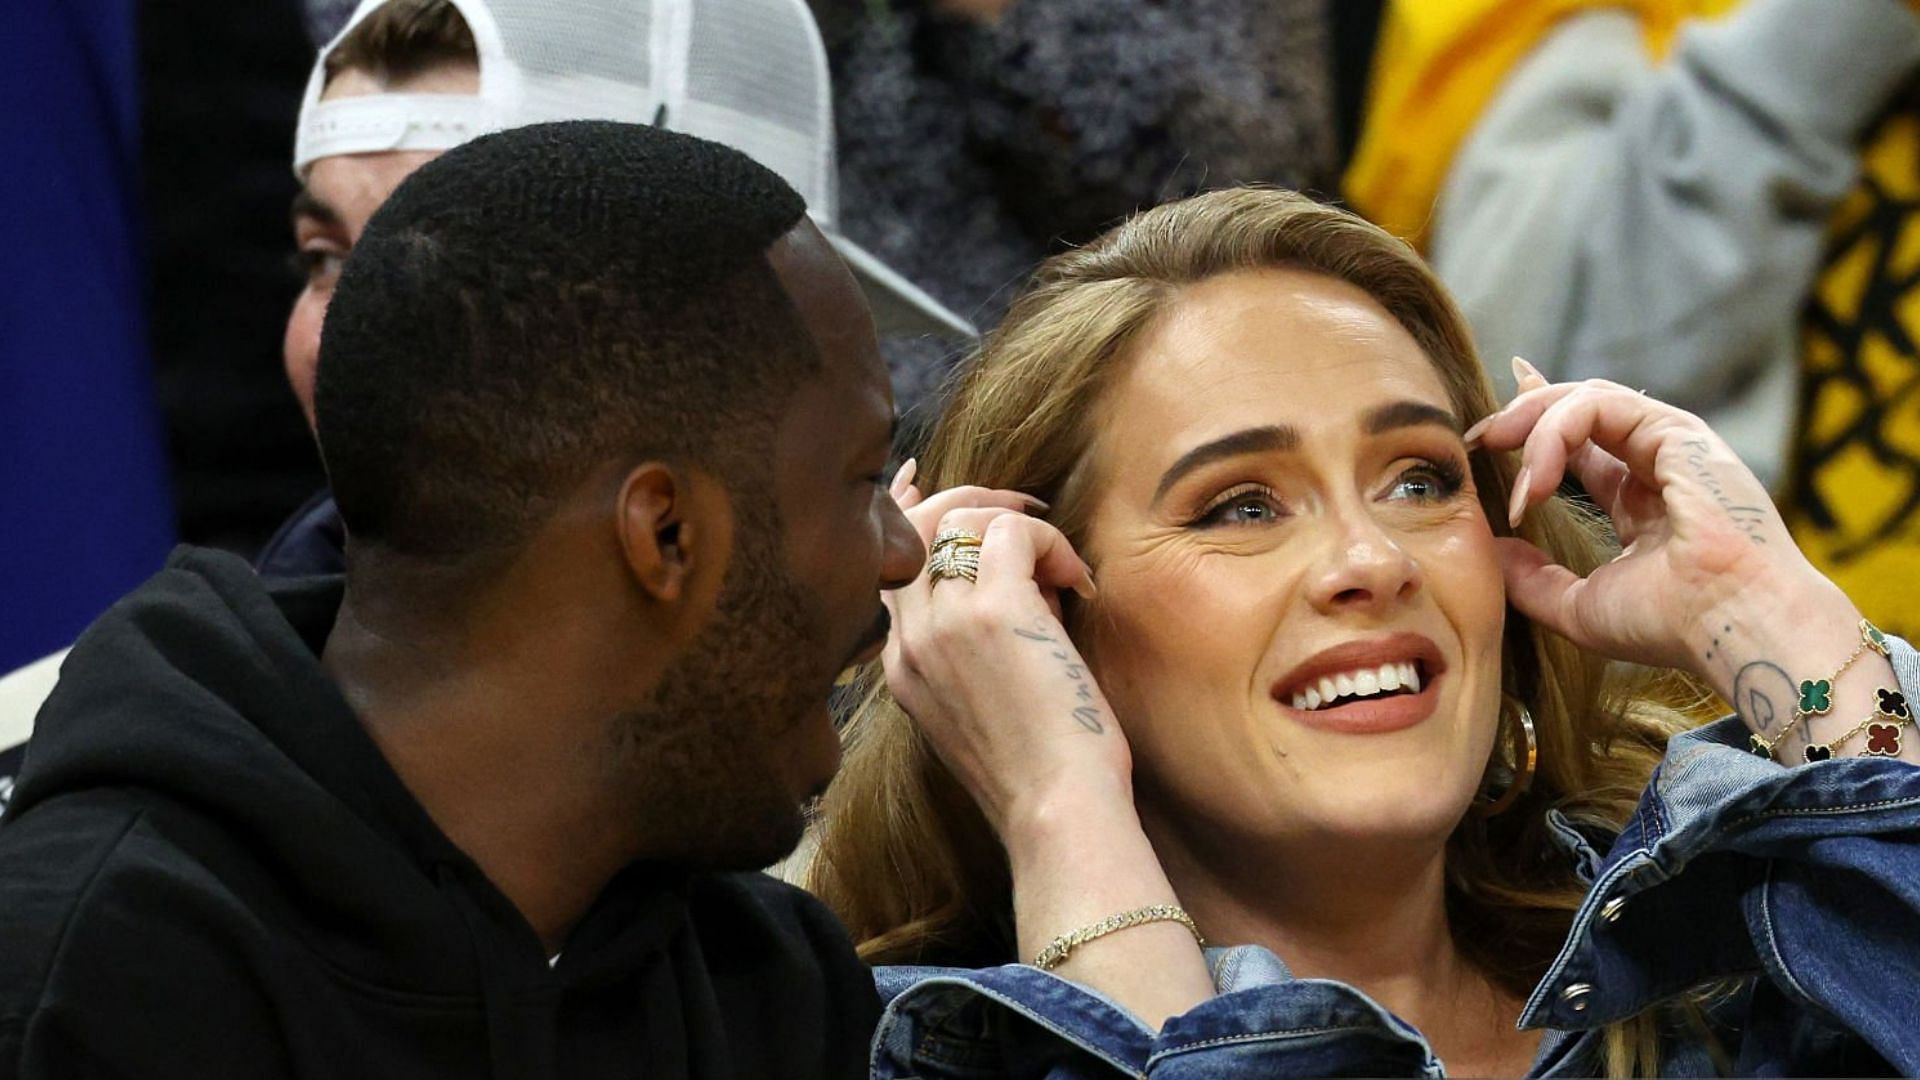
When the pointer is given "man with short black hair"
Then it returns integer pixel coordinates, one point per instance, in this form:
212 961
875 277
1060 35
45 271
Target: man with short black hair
606 418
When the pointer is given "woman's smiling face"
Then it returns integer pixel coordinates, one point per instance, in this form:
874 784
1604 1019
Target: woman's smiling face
1284 527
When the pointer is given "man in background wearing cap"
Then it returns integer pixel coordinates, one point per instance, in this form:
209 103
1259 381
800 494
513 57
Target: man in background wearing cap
607 419
407 79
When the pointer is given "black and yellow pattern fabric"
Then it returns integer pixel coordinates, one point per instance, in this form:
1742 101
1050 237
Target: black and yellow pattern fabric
1852 497
1852 494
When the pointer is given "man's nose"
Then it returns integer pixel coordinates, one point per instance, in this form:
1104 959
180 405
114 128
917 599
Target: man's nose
903 555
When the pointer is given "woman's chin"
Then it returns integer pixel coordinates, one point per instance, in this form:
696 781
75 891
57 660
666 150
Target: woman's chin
1389 805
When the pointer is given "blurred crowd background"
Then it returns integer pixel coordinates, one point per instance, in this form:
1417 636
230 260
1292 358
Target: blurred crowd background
1709 199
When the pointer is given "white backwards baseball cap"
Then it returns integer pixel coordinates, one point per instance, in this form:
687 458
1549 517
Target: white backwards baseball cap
751 74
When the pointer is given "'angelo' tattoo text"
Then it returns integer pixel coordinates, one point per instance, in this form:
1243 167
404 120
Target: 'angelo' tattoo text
1087 713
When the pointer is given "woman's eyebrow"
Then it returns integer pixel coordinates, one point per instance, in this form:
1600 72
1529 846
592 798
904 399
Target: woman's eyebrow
1409 413
1274 438
1281 438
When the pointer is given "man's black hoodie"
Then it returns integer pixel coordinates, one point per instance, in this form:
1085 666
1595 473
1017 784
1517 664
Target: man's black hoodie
209 869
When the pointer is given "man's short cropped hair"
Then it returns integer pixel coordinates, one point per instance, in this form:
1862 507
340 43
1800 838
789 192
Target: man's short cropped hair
540 302
403 39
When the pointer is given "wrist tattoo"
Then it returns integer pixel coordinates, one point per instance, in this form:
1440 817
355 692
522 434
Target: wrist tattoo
1757 691
1087 712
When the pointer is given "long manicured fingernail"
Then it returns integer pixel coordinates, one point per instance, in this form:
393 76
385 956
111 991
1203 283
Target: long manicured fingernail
1085 588
903 479
1035 503
1522 371
1479 429
1517 505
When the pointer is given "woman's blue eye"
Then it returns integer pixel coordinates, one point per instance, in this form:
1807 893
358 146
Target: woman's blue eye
1242 508
1428 482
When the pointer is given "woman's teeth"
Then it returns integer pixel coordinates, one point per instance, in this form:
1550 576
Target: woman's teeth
1364 682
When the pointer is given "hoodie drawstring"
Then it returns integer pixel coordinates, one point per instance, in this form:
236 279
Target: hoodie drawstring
501 1048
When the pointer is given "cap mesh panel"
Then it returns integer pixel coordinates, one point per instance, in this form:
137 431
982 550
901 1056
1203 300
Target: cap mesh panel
755 70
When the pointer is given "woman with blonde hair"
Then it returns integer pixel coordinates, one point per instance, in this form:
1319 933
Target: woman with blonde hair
1282 735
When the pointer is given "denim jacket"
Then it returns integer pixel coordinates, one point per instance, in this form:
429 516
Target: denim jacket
1797 886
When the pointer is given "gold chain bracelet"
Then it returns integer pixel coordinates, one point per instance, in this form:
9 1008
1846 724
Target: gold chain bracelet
1060 948
1816 699
1890 716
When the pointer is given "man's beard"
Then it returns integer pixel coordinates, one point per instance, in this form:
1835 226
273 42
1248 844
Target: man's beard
710 746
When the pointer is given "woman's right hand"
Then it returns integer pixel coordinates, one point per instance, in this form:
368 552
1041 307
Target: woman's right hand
988 674
986 670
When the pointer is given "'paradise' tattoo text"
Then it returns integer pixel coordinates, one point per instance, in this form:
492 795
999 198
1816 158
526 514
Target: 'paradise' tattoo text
1748 519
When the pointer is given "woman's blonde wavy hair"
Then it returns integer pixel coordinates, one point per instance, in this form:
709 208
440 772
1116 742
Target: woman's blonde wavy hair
903 855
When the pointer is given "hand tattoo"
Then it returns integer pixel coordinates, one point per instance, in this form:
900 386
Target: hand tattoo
1748 519
1087 713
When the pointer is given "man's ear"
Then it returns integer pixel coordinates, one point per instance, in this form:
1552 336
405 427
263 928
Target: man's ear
663 533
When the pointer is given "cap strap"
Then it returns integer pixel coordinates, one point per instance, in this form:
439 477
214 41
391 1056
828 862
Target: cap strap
377 122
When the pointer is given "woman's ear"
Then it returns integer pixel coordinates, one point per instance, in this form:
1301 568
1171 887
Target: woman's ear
662 532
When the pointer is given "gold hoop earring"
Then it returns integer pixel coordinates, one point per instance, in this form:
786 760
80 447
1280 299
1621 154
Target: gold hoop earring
1519 772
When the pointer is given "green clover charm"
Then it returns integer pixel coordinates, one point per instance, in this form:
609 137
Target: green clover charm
1876 640
1816 696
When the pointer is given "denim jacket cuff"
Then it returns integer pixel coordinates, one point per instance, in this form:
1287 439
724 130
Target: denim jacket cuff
1733 865
1012 1021
1022 1022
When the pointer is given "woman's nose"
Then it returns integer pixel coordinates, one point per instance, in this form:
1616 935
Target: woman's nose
1362 566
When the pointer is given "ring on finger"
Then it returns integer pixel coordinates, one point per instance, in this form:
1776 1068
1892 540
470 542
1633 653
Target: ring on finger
954 561
947 538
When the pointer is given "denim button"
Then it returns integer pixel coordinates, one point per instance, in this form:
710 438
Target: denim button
1610 911
1575 996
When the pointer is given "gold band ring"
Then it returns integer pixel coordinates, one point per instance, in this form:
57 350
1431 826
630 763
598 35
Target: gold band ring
954 561
957 538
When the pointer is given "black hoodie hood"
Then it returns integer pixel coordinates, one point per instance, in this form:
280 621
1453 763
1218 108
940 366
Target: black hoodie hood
205 688
200 700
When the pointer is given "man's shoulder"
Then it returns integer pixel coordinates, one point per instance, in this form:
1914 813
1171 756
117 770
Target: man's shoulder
763 904
122 950
782 966
87 875
51 858
756 922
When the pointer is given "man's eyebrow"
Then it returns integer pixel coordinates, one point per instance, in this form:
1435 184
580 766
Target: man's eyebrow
1402 414
1275 438
307 205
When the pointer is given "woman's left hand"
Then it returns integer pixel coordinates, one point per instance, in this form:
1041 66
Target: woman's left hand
1704 549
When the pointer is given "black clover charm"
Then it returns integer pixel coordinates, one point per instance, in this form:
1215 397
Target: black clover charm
1816 752
1892 703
